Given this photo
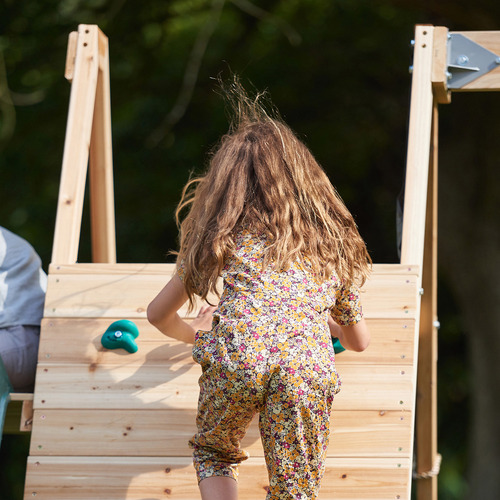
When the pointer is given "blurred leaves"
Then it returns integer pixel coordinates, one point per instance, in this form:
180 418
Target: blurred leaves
336 69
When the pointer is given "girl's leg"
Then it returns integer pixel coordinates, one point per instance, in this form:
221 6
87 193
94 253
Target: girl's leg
219 488
294 426
225 410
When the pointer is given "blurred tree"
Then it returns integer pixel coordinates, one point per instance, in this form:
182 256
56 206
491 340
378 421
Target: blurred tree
337 70
470 247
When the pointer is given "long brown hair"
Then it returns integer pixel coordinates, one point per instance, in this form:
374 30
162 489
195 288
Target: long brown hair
261 175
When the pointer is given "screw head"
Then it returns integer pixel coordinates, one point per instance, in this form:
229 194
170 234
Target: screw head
462 59
118 334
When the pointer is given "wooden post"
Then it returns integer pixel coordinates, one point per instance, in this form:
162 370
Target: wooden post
419 134
417 163
102 210
426 414
88 128
440 66
76 146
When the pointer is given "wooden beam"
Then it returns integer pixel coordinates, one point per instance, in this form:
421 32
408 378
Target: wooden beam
94 290
174 385
144 433
102 212
76 146
440 66
392 343
71 56
426 412
135 478
412 248
19 415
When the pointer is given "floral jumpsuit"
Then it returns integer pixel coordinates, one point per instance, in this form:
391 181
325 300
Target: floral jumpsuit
269 352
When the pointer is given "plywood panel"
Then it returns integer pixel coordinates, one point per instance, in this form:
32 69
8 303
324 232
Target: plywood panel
82 344
167 432
392 343
127 294
118 269
93 296
175 386
119 478
374 387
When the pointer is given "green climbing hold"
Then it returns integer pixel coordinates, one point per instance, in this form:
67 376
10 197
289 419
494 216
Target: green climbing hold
121 334
337 346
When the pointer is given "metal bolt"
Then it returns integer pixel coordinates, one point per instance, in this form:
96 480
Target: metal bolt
448 75
421 291
462 59
497 60
410 70
118 334
436 324
412 43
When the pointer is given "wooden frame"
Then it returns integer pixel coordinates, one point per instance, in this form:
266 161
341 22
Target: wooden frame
416 225
80 390
88 141
426 412
19 417
419 245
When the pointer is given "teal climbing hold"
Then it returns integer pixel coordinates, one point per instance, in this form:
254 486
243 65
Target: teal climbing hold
121 334
337 346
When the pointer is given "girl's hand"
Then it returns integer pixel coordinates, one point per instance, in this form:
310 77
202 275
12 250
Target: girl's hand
204 319
335 330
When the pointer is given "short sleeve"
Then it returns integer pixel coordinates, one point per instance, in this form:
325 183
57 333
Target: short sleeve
347 309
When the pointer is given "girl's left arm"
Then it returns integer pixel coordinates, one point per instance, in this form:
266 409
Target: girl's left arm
353 337
162 313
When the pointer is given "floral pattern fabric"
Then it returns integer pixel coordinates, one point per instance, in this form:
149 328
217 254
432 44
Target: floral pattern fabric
270 352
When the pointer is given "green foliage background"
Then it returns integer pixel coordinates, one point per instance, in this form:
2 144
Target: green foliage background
336 69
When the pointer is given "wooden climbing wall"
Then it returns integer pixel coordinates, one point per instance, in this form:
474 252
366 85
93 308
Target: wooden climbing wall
113 425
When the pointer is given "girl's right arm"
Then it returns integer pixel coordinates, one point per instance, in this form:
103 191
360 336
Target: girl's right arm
162 313
353 337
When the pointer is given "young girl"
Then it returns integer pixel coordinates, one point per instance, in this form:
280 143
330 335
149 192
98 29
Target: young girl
265 219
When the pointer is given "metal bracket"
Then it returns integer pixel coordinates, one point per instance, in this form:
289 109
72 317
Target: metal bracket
467 61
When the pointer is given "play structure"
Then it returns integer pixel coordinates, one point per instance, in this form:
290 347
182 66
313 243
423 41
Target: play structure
112 423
